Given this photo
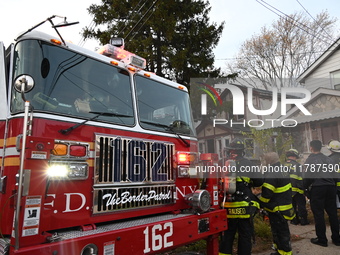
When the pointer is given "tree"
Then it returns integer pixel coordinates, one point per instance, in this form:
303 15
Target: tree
268 140
279 54
174 35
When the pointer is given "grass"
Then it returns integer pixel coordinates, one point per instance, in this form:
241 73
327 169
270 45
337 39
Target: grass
198 247
263 234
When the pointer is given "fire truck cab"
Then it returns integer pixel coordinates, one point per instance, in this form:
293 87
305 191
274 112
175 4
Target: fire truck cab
96 155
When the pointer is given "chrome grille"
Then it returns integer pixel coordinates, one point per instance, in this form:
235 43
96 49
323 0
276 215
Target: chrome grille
126 160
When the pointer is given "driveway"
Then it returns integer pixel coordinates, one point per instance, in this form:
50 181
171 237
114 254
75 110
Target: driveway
304 246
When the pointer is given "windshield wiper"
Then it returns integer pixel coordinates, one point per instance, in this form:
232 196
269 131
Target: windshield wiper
166 127
110 114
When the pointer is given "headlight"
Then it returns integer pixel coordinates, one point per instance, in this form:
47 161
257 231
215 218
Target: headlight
56 171
68 170
183 171
187 171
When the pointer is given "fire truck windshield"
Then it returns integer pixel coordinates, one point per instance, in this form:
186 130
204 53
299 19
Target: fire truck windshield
72 84
162 107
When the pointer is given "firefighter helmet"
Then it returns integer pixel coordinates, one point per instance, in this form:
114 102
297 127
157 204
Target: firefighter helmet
334 145
236 144
292 152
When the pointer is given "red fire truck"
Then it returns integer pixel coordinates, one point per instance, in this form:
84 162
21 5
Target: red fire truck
97 155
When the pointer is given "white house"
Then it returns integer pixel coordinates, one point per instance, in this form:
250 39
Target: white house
322 78
325 71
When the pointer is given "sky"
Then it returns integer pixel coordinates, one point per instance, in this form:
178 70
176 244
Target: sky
243 19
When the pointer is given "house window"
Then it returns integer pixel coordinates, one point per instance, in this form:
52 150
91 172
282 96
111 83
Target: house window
335 80
219 149
201 147
226 142
211 146
314 131
329 131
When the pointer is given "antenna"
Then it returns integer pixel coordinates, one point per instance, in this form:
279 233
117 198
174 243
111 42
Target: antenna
62 24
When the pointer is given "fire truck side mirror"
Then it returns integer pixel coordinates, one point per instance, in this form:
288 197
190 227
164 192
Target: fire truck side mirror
24 83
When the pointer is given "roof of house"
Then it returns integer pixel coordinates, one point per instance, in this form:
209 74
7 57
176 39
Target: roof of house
256 91
230 129
329 52
318 116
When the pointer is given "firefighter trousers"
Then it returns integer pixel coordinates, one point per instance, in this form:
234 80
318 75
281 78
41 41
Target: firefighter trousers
245 230
299 204
323 198
280 232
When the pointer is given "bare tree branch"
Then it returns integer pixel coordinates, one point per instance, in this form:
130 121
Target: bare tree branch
279 54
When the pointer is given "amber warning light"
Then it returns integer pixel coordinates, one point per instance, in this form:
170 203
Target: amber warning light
125 56
185 158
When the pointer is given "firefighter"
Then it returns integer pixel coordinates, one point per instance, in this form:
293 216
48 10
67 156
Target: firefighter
322 190
241 205
276 200
298 197
334 147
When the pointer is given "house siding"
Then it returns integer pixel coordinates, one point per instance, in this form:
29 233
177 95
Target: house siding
320 77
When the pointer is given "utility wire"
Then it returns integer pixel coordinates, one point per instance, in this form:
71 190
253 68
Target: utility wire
330 37
142 25
82 40
132 14
296 22
92 24
312 52
332 40
141 19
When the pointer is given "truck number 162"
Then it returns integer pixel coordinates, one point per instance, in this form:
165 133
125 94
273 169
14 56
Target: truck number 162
155 240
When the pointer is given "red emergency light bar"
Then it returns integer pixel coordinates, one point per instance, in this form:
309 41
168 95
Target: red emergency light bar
125 56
